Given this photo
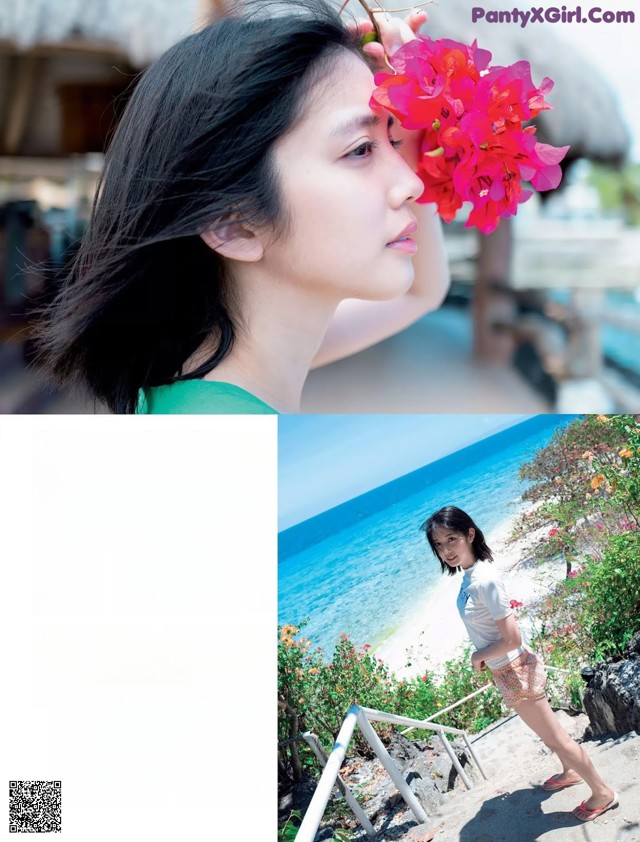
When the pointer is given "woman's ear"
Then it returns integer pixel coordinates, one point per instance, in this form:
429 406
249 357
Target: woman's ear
471 534
235 240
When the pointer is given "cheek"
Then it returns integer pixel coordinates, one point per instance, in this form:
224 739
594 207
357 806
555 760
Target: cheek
339 209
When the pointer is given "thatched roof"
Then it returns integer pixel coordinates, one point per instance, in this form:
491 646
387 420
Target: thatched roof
586 115
141 29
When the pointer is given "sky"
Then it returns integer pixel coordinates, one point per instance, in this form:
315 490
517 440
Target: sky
326 459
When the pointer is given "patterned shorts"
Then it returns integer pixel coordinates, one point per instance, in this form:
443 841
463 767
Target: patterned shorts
522 679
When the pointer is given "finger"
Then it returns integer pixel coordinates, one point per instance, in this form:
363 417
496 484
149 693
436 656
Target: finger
362 26
375 50
390 31
416 19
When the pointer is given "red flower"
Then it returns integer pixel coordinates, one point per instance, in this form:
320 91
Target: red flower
515 604
366 647
425 677
553 532
474 145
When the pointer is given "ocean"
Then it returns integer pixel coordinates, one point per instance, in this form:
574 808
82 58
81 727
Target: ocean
361 567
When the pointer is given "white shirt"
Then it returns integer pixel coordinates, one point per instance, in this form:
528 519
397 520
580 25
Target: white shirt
483 600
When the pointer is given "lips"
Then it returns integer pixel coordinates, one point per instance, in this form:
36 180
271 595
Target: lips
406 232
403 241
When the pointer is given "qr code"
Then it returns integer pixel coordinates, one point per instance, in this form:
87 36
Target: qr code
35 806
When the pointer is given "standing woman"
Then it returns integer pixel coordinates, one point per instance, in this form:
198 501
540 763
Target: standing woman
254 218
517 672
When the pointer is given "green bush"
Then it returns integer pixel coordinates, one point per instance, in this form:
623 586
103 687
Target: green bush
459 680
315 695
289 830
592 615
611 604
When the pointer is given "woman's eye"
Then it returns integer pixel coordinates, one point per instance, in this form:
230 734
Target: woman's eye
364 150
396 143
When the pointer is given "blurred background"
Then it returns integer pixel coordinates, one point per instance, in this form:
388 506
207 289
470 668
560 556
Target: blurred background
543 315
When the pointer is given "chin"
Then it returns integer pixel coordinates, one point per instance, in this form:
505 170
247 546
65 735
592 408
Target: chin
392 286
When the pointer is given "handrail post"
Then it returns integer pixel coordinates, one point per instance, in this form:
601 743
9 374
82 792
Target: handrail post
316 808
474 756
454 759
314 744
394 773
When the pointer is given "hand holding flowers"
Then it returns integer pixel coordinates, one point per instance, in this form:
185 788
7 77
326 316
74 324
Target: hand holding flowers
474 145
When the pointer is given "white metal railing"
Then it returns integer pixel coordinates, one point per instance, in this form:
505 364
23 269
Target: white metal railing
362 717
356 809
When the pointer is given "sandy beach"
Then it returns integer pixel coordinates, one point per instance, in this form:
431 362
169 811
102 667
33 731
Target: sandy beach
433 633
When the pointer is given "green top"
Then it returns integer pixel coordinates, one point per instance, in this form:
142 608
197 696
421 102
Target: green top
201 397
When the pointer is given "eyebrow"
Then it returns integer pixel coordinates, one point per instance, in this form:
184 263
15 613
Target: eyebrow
364 122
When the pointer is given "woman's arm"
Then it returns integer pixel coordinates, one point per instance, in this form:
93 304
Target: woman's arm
511 639
359 324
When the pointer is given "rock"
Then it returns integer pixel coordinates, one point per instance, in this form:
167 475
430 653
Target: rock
427 769
433 754
420 833
634 646
612 697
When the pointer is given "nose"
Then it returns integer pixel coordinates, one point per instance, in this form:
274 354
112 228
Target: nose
405 185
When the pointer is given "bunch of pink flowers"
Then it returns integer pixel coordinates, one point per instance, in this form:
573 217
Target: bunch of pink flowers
475 147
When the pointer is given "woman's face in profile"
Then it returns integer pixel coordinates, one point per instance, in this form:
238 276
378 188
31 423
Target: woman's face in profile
347 193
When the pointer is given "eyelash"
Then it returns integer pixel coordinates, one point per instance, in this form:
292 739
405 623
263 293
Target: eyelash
369 146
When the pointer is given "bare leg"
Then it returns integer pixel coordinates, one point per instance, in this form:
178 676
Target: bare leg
537 714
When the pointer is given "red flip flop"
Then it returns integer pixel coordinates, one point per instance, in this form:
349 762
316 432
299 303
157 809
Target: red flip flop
553 783
590 815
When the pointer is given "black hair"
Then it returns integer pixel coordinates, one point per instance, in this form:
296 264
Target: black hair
451 517
194 145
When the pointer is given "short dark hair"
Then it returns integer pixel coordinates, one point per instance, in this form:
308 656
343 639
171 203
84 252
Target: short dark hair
451 517
194 145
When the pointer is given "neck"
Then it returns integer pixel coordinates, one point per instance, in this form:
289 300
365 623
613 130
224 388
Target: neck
281 328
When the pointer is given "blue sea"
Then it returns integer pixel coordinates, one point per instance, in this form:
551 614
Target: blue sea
362 566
